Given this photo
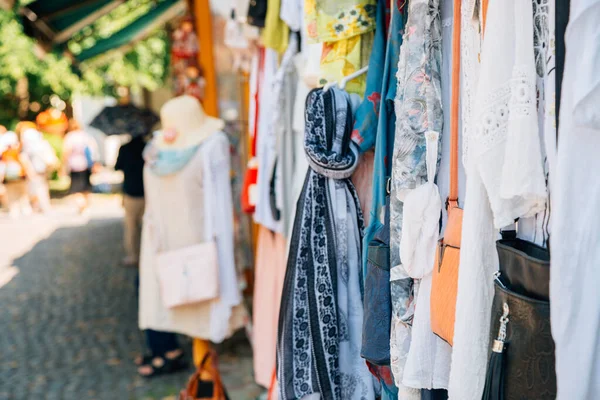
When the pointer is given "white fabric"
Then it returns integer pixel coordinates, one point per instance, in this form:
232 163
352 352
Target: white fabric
240 7
292 13
38 149
235 37
76 144
301 163
284 93
349 302
183 209
312 69
505 180
536 229
428 362
266 143
586 84
574 273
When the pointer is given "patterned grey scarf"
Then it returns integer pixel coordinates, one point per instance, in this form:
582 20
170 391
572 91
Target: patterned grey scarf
320 321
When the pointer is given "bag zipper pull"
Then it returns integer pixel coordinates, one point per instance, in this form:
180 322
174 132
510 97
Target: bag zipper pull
497 279
501 339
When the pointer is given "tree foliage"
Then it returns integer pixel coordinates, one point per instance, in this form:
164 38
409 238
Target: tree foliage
145 65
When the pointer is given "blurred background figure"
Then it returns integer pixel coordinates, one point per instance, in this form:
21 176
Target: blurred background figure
43 160
2 188
15 169
79 154
131 162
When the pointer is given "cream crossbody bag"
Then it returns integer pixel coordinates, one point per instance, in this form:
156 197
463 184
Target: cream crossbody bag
187 275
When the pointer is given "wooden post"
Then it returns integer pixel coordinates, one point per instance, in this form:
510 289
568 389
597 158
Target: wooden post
203 22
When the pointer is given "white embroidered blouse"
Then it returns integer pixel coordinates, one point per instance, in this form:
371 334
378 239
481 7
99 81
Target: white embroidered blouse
505 179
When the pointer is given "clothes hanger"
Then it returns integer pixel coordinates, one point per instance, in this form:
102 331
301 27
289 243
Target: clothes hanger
344 81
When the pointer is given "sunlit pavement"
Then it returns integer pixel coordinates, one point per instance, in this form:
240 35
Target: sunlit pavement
68 313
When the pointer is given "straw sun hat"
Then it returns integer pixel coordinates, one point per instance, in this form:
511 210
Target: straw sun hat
185 124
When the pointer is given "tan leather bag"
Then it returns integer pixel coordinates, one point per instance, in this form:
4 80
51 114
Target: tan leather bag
445 272
205 383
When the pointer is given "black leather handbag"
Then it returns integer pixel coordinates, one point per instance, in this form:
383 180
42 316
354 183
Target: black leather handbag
521 363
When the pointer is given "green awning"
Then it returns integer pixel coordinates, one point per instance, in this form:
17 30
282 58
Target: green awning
54 22
137 30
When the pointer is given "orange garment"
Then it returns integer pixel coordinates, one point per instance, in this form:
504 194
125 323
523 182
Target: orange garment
271 252
13 155
363 182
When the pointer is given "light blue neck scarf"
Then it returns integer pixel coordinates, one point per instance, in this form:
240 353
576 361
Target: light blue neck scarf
167 162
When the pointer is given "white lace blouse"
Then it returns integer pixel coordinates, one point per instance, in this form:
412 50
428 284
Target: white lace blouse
505 179
574 272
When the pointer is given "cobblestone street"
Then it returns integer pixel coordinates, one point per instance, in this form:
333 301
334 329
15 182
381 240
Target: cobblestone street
68 314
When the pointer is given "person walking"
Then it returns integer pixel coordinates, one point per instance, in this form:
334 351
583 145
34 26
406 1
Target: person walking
3 199
43 160
79 154
131 162
15 169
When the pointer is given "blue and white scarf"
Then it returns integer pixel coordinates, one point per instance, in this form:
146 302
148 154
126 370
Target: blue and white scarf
320 322
163 162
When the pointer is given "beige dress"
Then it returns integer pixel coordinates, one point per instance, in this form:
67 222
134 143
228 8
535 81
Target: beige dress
176 209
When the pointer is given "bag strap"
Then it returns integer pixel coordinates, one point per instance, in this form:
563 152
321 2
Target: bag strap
452 200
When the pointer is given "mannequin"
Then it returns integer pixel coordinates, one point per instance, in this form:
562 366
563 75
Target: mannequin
188 202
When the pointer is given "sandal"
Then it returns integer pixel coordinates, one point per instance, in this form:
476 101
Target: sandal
143 360
162 366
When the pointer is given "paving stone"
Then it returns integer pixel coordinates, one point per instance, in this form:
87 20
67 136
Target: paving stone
69 319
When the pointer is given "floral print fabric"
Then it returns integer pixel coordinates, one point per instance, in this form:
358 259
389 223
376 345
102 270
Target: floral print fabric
344 57
334 20
345 27
418 110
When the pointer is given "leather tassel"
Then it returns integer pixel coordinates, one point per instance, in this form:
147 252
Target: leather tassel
494 380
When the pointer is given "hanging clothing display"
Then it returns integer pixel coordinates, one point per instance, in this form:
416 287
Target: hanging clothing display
537 228
284 92
292 13
375 126
346 30
331 20
574 278
345 57
321 312
271 251
563 8
428 360
257 13
418 110
505 180
499 61
275 35
266 144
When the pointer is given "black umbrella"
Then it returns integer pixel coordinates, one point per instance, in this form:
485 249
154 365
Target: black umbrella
122 119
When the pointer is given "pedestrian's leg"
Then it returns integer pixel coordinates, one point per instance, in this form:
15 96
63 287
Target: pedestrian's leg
139 218
43 195
129 231
12 199
24 200
167 357
160 343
